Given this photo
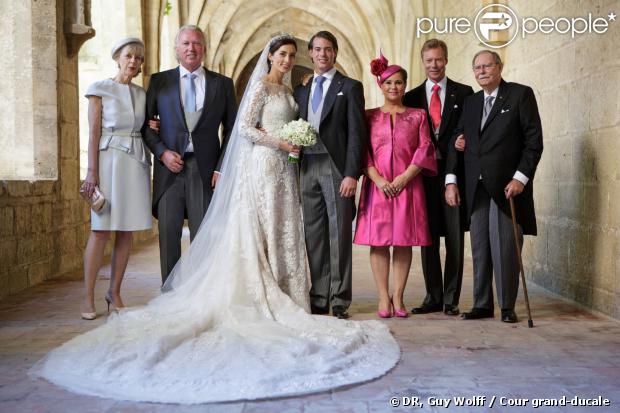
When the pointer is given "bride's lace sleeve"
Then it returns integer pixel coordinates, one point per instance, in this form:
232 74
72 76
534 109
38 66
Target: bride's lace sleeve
252 115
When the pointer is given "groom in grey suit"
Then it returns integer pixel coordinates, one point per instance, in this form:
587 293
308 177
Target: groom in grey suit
334 105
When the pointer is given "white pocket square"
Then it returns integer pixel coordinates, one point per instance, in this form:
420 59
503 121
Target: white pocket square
456 106
340 94
504 110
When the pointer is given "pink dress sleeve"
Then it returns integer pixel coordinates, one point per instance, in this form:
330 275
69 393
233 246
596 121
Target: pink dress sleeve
424 155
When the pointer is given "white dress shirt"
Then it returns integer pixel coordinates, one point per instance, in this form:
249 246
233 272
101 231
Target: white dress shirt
519 176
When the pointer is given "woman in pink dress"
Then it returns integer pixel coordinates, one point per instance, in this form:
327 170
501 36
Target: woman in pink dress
392 207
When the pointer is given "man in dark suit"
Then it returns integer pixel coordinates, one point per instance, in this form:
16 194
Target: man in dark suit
334 105
191 102
443 99
502 146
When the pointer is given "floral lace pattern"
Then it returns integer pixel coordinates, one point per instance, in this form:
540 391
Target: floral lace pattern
271 106
273 186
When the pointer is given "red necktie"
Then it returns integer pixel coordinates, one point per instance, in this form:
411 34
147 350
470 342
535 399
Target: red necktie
435 107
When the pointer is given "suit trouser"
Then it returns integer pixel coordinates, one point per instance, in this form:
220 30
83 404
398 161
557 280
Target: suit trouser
447 292
328 231
493 252
186 196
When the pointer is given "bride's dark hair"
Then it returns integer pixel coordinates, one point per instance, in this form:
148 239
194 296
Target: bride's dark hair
277 43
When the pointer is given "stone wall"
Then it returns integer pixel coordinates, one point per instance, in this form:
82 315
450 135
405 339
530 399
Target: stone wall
28 88
577 84
44 224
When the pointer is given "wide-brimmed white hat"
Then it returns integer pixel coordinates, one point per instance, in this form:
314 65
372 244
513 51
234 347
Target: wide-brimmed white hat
124 42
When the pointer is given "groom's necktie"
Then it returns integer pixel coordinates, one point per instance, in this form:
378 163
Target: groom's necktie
317 96
190 93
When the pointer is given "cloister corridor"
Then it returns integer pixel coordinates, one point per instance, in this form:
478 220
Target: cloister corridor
569 352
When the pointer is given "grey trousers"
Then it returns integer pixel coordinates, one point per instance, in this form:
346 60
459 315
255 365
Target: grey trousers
186 196
328 231
493 252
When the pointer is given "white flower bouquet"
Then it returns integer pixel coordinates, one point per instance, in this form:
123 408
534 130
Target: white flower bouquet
298 132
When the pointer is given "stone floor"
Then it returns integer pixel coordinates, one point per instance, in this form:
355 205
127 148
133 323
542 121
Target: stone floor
570 352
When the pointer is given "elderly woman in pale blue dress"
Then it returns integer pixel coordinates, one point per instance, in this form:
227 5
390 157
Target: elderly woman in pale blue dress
119 164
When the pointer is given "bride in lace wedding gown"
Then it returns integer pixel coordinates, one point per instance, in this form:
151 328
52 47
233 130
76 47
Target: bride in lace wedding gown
272 182
234 322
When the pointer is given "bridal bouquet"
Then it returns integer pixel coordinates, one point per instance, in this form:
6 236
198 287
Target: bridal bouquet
298 132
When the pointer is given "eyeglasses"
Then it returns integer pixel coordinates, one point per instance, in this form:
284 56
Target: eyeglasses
478 68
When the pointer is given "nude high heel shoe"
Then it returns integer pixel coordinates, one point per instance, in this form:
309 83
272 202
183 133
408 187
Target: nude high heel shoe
109 301
89 316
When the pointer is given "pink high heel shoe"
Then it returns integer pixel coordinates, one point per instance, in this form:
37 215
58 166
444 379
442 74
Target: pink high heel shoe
399 312
386 313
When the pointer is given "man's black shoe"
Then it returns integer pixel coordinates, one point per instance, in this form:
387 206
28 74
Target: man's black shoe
340 312
477 313
318 310
451 310
425 309
509 316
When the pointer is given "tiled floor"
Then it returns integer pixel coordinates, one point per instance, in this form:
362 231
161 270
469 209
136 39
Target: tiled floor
569 352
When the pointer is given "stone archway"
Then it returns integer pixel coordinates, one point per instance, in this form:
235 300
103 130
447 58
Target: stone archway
238 29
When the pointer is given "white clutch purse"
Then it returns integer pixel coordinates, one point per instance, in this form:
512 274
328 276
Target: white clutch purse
96 200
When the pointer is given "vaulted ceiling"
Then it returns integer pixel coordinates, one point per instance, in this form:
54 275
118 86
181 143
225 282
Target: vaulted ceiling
237 30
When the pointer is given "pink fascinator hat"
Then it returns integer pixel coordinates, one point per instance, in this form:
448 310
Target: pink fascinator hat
381 68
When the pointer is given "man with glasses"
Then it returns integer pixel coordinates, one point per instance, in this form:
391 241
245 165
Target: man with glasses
501 135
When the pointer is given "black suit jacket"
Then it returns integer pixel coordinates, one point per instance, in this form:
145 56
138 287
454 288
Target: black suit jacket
343 125
510 140
451 113
163 98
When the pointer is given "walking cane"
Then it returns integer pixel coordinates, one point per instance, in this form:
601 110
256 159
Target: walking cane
530 323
